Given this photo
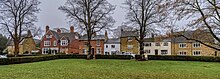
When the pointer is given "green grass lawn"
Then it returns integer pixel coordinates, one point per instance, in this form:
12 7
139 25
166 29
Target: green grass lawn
111 69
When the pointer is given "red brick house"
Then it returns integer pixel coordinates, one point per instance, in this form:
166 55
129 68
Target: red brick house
97 43
55 41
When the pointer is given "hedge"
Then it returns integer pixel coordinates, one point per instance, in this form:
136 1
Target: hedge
28 59
113 57
182 58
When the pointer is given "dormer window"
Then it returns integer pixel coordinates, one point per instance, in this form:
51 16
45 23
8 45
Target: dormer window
48 36
64 42
129 39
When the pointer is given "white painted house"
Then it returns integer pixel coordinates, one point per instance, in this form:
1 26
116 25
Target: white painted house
153 47
112 47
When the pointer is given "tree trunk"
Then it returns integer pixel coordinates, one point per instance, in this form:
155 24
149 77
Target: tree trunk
142 58
16 44
89 56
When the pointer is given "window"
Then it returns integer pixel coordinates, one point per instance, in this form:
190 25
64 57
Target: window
84 51
196 53
46 43
157 44
130 46
98 51
113 46
106 46
147 51
107 53
129 39
54 43
165 44
148 44
85 43
182 52
164 52
196 45
98 42
46 50
48 36
182 45
64 42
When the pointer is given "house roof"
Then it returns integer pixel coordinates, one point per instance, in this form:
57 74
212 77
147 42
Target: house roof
129 34
67 36
113 41
28 35
94 37
202 35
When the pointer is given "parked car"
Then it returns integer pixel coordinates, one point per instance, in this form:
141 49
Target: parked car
129 53
3 56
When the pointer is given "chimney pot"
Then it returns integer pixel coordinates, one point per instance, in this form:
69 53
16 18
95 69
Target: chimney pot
58 31
47 28
71 29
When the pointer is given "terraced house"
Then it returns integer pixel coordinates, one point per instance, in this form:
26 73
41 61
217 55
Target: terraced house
157 46
97 43
128 42
60 42
183 47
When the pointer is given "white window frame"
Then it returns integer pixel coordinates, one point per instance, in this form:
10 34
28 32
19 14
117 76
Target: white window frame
84 51
54 43
148 44
182 53
197 52
64 42
165 44
147 51
157 44
182 45
47 43
113 46
98 50
196 45
130 46
98 42
48 36
164 53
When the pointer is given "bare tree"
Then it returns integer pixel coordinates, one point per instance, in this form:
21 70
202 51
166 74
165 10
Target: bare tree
145 15
91 16
16 16
202 14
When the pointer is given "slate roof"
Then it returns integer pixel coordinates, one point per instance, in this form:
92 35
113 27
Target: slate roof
96 37
11 41
113 41
161 40
129 34
67 36
203 36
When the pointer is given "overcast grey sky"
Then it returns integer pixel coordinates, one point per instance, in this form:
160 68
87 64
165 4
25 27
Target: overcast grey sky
50 15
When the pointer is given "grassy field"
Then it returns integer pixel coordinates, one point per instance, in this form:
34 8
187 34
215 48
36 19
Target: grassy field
111 69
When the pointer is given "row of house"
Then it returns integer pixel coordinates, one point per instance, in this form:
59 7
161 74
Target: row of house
71 42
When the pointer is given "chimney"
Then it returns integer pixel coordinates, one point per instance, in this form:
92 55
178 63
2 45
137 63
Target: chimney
106 35
152 35
47 28
58 31
71 29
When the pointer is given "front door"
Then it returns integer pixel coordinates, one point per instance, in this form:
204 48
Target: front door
156 52
93 51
